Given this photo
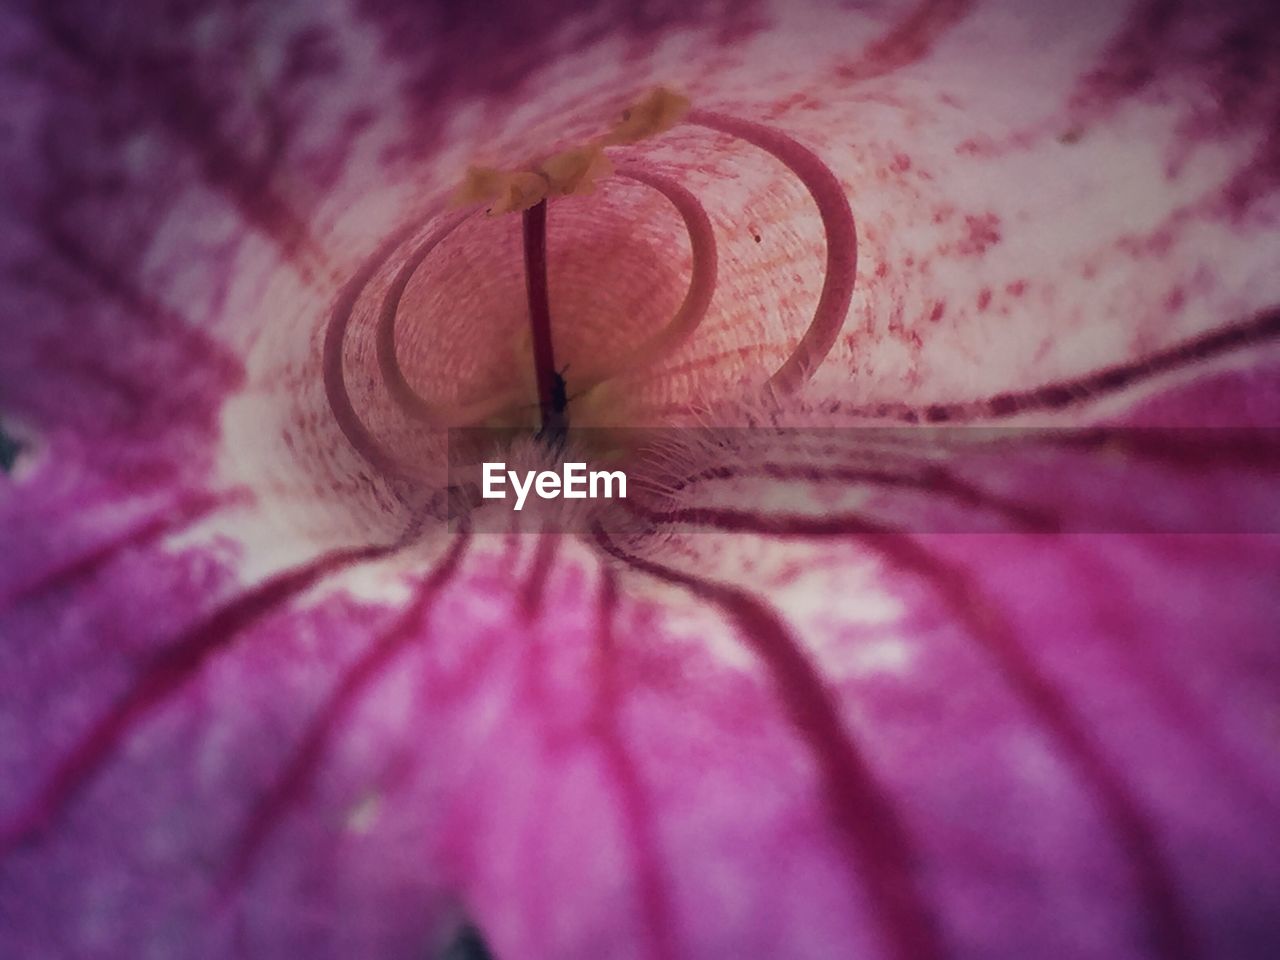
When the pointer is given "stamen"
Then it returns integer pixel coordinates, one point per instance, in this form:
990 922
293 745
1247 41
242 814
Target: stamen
335 380
431 413
842 241
692 310
577 170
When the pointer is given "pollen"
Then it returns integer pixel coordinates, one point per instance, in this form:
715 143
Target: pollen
480 183
656 112
506 191
575 170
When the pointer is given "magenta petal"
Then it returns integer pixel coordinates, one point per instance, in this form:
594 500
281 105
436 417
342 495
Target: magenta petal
255 701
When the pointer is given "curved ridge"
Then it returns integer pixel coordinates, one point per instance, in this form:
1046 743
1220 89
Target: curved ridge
335 382
702 279
412 403
842 241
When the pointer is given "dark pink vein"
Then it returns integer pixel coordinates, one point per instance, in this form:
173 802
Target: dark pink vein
1258 329
171 520
933 480
292 786
165 674
736 521
880 849
1190 449
533 590
656 908
1168 922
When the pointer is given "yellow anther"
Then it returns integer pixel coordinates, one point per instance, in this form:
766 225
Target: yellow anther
572 171
505 190
577 170
654 113
479 185
520 191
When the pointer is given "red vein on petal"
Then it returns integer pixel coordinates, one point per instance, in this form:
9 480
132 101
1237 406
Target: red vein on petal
1168 922
174 518
1169 925
296 780
1179 707
787 525
842 241
930 480
879 848
637 811
910 41
165 674
533 590
530 600
1248 448
1258 329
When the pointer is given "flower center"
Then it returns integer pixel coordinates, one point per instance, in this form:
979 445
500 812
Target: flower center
606 371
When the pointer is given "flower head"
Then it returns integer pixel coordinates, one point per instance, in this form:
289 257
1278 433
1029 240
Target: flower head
938 342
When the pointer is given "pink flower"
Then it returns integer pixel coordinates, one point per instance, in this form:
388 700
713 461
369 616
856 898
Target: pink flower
835 691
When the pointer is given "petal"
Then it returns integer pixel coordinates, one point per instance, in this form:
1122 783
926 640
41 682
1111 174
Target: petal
243 713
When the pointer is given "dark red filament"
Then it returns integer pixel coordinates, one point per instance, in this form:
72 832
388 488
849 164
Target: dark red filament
552 403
